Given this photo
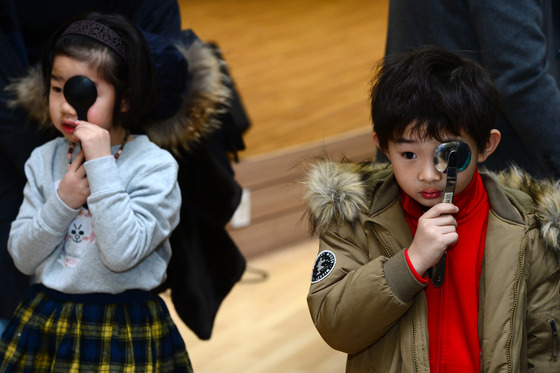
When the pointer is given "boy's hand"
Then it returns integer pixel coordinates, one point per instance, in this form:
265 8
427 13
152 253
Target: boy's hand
73 189
95 140
437 229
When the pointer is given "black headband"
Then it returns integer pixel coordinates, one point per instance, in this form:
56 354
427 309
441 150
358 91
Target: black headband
99 32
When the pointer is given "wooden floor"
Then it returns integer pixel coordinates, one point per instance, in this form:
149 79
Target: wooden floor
303 69
265 326
302 66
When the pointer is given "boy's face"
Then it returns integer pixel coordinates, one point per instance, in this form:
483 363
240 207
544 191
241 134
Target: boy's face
414 169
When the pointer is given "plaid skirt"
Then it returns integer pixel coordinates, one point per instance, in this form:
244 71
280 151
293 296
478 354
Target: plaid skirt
55 332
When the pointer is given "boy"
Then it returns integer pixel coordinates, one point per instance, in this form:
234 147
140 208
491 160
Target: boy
384 227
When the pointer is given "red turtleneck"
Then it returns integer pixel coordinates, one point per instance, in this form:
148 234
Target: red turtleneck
453 307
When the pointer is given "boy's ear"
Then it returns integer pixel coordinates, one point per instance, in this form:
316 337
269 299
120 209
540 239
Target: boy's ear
376 140
491 145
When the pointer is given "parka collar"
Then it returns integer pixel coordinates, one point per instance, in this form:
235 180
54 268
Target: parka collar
341 192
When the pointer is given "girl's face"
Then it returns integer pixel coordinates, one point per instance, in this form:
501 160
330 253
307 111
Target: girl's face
64 115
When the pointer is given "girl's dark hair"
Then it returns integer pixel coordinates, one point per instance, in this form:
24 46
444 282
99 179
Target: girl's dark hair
436 92
132 76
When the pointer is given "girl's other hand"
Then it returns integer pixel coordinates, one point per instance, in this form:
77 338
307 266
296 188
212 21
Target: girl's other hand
95 140
73 189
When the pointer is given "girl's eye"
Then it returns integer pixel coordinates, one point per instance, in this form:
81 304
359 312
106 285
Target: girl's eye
57 89
409 155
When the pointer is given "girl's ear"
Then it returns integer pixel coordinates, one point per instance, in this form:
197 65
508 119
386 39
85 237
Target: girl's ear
124 103
491 145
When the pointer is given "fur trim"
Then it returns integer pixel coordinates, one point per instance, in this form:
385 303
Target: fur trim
546 196
207 97
338 191
28 92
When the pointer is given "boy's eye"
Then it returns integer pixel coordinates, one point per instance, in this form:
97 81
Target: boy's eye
409 155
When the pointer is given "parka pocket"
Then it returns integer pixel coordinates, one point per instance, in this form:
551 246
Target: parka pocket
554 337
543 341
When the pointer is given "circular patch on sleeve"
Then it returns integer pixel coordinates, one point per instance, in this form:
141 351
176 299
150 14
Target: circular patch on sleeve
324 264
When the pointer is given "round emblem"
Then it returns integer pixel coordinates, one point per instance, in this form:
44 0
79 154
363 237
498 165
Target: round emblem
324 264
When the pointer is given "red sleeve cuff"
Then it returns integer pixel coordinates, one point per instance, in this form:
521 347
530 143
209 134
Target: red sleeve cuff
420 279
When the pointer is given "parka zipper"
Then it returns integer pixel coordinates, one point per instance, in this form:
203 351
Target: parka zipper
412 315
515 299
414 357
554 332
385 248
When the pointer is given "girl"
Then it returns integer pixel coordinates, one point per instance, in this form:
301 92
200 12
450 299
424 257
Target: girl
99 207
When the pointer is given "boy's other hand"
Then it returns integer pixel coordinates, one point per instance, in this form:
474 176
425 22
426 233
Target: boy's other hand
73 189
437 229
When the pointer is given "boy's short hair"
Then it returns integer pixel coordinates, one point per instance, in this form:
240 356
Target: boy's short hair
437 92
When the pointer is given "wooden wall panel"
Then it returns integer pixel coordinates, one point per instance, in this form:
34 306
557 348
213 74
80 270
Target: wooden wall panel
277 205
302 67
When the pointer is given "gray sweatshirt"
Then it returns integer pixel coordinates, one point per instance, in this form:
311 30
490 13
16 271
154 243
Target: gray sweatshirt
120 242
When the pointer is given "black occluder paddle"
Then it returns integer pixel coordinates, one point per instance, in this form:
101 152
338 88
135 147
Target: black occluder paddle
80 92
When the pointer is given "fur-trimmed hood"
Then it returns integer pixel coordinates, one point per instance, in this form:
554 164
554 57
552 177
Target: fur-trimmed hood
205 96
337 192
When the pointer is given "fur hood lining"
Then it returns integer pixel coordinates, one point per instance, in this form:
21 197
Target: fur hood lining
337 192
206 97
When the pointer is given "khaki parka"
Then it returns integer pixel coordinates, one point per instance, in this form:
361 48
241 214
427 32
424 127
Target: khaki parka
370 306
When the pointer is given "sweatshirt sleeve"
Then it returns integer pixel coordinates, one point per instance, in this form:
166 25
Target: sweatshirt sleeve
42 221
131 221
354 305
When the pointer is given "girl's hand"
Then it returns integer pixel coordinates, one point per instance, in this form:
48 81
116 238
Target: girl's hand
95 140
437 229
73 189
